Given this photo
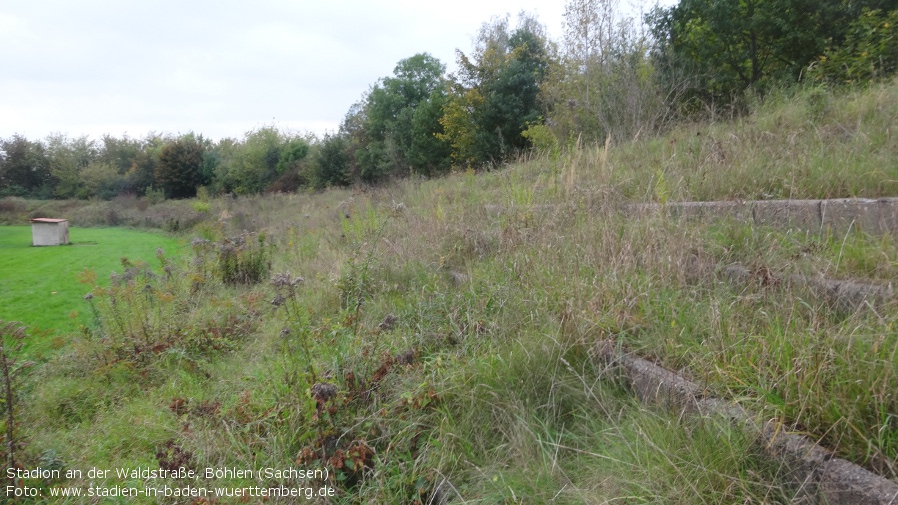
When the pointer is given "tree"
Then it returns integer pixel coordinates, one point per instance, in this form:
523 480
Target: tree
180 164
68 158
291 168
120 152
141 175
353 130
332 161
101 180
735 45
590 37
389 118
222 156
494 96
293 152
255 163
869 50
605 83
24 168
256 160
510 102
427 154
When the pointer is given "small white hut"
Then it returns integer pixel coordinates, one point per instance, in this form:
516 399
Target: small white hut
46 231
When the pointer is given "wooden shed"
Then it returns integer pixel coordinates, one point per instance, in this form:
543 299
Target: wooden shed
46 231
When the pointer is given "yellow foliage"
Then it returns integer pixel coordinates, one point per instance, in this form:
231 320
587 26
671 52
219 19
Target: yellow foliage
458 123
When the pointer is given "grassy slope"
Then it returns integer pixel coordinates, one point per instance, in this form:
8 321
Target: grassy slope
39 285
809 145
484 378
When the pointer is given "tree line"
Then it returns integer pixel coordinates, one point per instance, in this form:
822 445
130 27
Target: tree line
610 77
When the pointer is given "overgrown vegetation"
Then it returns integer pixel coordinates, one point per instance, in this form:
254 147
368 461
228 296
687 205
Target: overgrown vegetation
12 335
611 76
433 340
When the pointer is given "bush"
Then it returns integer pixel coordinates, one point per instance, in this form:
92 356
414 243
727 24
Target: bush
870 51
244 259
154 196
180 164
200 206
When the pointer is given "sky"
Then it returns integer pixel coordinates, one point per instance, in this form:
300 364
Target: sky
222 68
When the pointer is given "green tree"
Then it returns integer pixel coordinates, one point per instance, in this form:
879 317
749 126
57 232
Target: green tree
735 45
102 180
25 168
255 162
222 156
493 98
141 175
68 158
390 129
332 161
253 165
427 154
119 152
869 50
603 82
354 131
293 167
292 154
179 171
511 99
731 43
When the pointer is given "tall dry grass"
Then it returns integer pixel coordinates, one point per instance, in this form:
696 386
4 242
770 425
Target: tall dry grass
431 339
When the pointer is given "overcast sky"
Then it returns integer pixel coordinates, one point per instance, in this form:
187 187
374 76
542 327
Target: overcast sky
222 68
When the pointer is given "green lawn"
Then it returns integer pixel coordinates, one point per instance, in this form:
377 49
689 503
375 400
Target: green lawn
39 285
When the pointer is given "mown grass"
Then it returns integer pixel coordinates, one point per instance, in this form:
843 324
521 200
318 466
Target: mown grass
39 286
423 345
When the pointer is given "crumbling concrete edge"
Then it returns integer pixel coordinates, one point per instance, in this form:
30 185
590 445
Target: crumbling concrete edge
875 216
845 295
814 471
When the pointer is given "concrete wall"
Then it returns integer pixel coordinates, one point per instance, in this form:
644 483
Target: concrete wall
43 234
874 216
820 477
879 216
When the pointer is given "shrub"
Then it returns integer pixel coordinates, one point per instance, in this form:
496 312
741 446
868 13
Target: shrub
143 316
11 337
870 51
154 195
180 163
244 259
200 206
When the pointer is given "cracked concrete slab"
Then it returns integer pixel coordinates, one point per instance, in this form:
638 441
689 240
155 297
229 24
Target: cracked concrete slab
875 216
849 213
798 214
846 295
815 472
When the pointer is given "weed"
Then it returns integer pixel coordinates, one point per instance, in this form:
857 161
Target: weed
154 196
12 335
243 259
200 206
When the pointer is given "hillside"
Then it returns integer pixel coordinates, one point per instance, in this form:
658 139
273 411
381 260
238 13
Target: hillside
438 339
